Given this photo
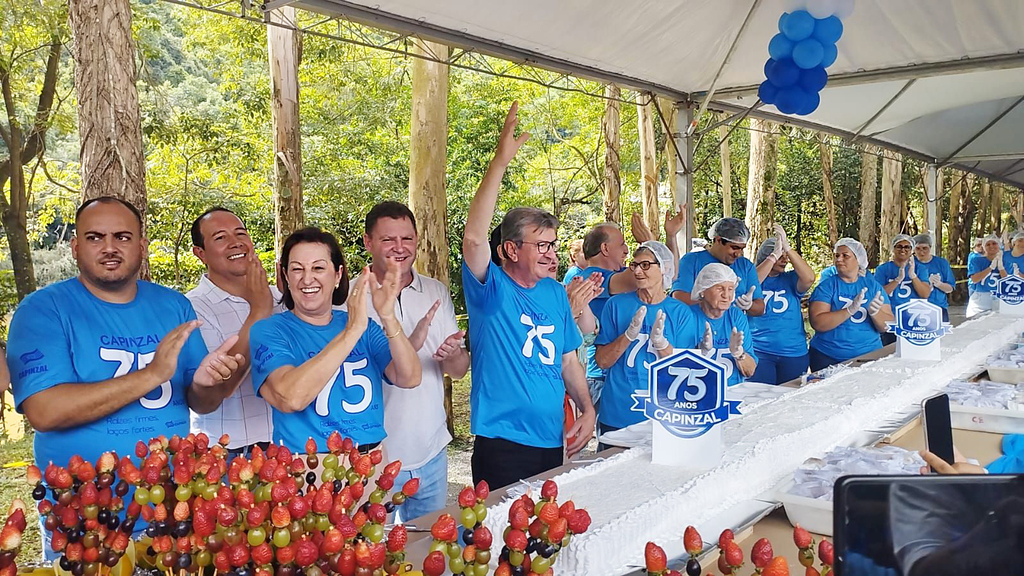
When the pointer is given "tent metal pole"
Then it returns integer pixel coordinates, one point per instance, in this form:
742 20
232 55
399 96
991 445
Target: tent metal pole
931 193
901 92
988 126
989 157
684 171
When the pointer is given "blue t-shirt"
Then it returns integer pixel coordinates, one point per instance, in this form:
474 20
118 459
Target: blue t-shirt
352 400
1009 260
940 266
571 273
904 292
629 373
970 259
691 265
722 330
63 334
856 335
780 330
977 265
831 271
597 307
519 336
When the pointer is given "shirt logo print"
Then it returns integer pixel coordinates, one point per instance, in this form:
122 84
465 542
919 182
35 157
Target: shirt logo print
538 332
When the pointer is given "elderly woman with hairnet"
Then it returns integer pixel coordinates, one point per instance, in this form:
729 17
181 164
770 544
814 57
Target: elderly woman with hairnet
903 277
637 329
983 273
779 337
723 329
848 311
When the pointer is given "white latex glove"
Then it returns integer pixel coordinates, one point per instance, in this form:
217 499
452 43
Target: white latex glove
876 304
779 249
633 330
855 305
736 344
781 239
934 279
745 301
912 269
658 340
997 262
901 275
707 343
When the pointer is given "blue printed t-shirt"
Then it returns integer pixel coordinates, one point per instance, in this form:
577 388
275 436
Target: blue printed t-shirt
519 336
721 328
691 265
780 330
352 400
571 273
904 292
597 307
629 373
831 271
1009 260
63 334
856 335
970 259
940 266
975 265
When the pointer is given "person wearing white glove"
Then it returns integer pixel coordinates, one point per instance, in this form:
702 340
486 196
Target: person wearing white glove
715 289
901 277
1013 257
637 329
939 273
728 239
745 301
707 341
848 311
983 273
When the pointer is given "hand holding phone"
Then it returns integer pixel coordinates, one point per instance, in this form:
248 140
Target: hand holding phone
938 430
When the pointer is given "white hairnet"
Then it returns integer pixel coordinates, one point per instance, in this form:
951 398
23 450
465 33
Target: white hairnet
1016 236
924 239
900 238
858 250
710 275
666 261
990 238
731 229
767 247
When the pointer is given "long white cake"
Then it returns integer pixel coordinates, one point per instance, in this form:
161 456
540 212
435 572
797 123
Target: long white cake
632 501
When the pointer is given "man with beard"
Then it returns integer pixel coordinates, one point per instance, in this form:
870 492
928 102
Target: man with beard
103 360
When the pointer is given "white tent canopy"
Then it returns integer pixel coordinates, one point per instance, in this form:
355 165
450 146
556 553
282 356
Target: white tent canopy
940 80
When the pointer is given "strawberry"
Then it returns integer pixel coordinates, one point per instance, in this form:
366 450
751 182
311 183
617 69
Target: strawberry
334 442
262 554
579 521
324 498
298 507
566 509
482 537
203 523
549 491
357 490
518 518
467 498
377 513
556 531
391 469
761 553
181 512
434 564
733 554
279 492
280 516
347 527
385 482
444 528
224 440
777 566
285 555
33 475
74 551
311 446
825 552
411 487
692 541
536 528
548 513
255 516
347 562
377 555
221 561
726 536
58 540
397 538
10 537
107 462
516 540
482 490
238 554
362 466
73 463
44 508
360 519
802 538
332 543
62 479
306 553
655 559
503 569
226 516
469 553
362 554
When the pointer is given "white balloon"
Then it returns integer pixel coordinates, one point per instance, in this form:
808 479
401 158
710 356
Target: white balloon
844 8
794 5
821 8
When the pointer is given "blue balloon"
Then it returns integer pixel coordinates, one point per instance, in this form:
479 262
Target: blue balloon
813 79
768 68
828 30
789 100
782 21
780 47
829 55
783 73
798 26
767 92
808 53
810 103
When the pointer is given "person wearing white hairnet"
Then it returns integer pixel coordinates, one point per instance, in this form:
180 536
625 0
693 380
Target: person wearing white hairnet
983 273
729 237
903 277
637 329
779 337
848 311
723 329
1013 256
939 272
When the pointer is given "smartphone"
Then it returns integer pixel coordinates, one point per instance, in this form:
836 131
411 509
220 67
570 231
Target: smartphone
938 431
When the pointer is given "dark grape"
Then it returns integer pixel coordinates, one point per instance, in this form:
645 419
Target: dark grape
518 570
77 569
310 477
113 522
693 567
467 536
150 531
389 507
65 564
184 561
103 516
503 557
548 551
338 485
121 489
181 529
39 492
128 525
365 507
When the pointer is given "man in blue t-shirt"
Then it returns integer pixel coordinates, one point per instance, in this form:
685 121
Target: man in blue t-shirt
103 360
522 335
729 237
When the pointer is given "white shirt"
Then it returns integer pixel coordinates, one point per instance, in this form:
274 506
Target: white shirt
414 418
245 417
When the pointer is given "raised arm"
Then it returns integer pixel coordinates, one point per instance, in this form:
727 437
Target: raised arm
476 252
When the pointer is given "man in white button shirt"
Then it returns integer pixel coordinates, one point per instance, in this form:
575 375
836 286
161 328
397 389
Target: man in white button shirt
230 298
414 418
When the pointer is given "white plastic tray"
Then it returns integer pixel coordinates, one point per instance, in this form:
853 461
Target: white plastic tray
810 513
986 419
1008 375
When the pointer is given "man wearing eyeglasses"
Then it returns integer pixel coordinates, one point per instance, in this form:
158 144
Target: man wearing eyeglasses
523 337
729 237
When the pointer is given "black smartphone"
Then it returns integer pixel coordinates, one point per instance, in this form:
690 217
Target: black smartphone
938 430
928 525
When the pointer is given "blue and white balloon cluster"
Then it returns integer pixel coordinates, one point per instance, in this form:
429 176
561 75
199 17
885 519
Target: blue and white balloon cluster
799 54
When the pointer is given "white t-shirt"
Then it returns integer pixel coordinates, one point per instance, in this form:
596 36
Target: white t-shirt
414 418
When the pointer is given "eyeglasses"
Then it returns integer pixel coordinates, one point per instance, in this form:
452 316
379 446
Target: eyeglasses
902 247
643 265
543 247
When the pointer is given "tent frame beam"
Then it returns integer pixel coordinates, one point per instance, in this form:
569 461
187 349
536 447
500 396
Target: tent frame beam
987 127
901 92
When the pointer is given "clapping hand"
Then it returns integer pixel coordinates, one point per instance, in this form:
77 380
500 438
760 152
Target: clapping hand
218 366
707 343
658 340
935 279
912 269
385 294
450 345
641 233
736 344
902 274
745 301
857 304
581 291
633 330
419 333
674 223
256 289
876 303
356 303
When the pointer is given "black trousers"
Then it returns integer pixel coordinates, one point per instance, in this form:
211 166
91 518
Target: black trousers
502 462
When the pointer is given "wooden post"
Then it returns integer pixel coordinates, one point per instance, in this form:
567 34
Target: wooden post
760 212
668 109
868 191
983 218
723 153
612 164
996 207
648 164
825 152
892 207
283 52
954 213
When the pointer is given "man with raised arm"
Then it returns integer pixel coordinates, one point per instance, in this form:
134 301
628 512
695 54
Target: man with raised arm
103 360
523 337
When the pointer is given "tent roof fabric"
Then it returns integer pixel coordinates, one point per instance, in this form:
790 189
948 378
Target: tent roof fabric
964 60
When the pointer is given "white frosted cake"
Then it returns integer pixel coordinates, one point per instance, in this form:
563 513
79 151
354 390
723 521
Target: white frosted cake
632 501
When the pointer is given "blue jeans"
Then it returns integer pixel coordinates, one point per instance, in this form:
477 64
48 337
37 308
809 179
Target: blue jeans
819 360
433 493
775 369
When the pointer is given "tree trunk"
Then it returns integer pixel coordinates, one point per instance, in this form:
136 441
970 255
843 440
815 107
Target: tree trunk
612 163
996 208
825 153
868 191
284 52
954 213
892 207
1017 211
967 211
671 158
760 182
940 187
983 200
648 164
723 152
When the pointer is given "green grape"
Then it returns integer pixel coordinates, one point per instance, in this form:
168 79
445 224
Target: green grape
182 493
456 565
377 496
330 461
468 518
322 522
327 475
156 494
256 536
515 558
540 564
282 537
454 550
142 496
481 511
